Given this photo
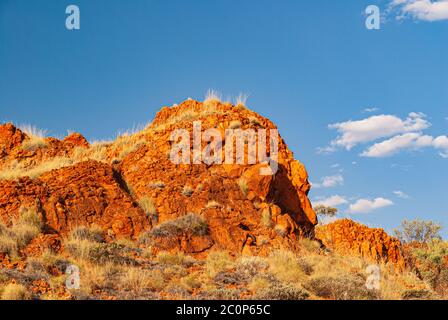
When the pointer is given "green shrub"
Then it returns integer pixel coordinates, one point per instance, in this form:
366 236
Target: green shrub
418 231
431 262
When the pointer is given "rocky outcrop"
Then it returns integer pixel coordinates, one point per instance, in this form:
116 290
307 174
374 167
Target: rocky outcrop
10 138
348 237
245 211
234 199
13 155
87 193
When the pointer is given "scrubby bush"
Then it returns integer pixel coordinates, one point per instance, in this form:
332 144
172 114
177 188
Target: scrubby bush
431 264
325 211
416 294
92 233
349 287
418 231
191 224
282 291
251 266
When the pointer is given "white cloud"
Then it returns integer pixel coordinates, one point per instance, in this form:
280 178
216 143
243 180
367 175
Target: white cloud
426 10
352 133
409 141
332 201
366 205
401 194
370 110
330 182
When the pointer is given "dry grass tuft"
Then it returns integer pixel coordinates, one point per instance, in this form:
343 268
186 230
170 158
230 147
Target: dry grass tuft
212 96
25 229
242 183
17 170
187 191
15 291
36 137
285 265
218 261
212 204
147 204
191 224
241 99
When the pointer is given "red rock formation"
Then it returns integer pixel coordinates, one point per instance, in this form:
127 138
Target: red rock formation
237 214
351 238
84 194
10 137
246 212
92 192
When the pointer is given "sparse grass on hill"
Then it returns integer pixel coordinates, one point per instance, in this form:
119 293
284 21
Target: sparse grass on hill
187 191
25 229
242 183
124 271
212 204
15 291
190 224
36 137
147 204
17 170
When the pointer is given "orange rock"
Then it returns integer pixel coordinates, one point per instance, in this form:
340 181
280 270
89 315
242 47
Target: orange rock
84 194
238 216
348 237
91 192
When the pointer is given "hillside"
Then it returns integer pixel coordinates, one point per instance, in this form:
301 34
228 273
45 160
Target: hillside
137 225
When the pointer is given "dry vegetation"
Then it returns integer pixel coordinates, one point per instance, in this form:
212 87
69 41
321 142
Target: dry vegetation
126 270
101 151
108 151
16 237
36 137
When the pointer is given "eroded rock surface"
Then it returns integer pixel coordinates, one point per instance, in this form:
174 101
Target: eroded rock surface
348 237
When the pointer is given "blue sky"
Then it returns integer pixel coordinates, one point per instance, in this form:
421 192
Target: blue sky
305 65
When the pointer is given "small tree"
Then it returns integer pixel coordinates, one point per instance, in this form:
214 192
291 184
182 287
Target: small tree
325 211
418 231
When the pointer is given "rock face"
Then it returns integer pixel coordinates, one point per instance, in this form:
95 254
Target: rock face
245 211
84 194
351 238
268 211
131 186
